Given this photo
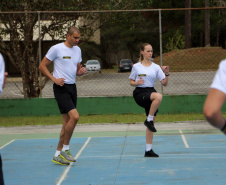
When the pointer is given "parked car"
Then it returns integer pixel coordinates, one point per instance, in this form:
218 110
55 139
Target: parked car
125 65
93 65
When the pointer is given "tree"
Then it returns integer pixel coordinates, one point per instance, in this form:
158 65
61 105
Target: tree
187 24
218 22
22 48
207 25
122 31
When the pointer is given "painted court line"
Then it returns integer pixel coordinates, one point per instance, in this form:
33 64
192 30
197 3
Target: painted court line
184 139
76 157
7 144
121 154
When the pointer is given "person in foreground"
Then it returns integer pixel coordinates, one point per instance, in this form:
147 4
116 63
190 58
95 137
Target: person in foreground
143 77
67 64
216 98
3 75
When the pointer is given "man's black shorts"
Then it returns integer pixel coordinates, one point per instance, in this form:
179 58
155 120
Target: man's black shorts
142 97
66 97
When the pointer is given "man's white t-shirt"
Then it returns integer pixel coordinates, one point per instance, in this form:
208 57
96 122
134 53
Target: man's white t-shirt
2 72
148 74
219 81
65 61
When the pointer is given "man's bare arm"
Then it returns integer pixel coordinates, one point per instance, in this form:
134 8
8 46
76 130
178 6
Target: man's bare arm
43 68
212 108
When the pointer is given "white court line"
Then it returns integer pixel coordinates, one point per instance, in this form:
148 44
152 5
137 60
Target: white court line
76 157
184 139
7 144
165 155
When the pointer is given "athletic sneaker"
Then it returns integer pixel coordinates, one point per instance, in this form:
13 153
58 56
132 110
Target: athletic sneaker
60 160
67 156
150 125
150 153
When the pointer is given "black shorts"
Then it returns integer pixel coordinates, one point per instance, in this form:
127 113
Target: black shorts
142 97
66 97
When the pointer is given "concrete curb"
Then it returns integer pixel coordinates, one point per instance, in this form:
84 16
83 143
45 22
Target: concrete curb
108 127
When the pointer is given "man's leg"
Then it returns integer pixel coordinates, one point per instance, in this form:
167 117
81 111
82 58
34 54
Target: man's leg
66 134
62 133
57 157
70 125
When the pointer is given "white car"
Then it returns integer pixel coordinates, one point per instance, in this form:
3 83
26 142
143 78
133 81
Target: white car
93 65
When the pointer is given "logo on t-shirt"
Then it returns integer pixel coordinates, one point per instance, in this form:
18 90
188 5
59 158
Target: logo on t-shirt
141 75
66 57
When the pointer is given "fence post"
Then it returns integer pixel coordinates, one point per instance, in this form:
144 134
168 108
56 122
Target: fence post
160 40
39 52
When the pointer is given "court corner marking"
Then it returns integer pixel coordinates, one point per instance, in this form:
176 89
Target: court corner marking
7 144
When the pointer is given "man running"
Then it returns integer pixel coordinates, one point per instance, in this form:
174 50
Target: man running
67 59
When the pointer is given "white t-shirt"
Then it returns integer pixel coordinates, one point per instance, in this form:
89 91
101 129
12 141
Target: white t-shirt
148 74
65 61
219 81
2 71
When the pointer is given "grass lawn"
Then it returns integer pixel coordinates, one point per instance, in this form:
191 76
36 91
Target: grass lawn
89 119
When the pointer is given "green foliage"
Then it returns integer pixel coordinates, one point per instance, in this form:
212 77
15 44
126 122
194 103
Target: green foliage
177 41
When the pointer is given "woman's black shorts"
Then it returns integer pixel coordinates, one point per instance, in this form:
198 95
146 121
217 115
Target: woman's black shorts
142 97
66 97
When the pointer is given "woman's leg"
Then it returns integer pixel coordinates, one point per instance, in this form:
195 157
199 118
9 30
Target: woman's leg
156 99
149 139
149 135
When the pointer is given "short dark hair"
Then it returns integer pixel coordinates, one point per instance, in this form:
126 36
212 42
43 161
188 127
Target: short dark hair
73 29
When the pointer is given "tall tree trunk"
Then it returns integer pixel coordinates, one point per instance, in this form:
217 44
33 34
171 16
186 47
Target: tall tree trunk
187 24
218 32
207 25
201 39
217 39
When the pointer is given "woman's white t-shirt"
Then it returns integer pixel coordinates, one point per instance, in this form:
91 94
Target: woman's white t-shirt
219 81
2 71
65 61
148 74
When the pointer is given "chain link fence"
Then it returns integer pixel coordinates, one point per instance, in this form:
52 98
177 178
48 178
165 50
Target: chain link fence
186 40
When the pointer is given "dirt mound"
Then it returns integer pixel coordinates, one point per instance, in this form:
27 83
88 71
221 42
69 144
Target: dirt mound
194 59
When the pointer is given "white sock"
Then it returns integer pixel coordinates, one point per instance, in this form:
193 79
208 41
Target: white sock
57 153
150 118
148 147
65 147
